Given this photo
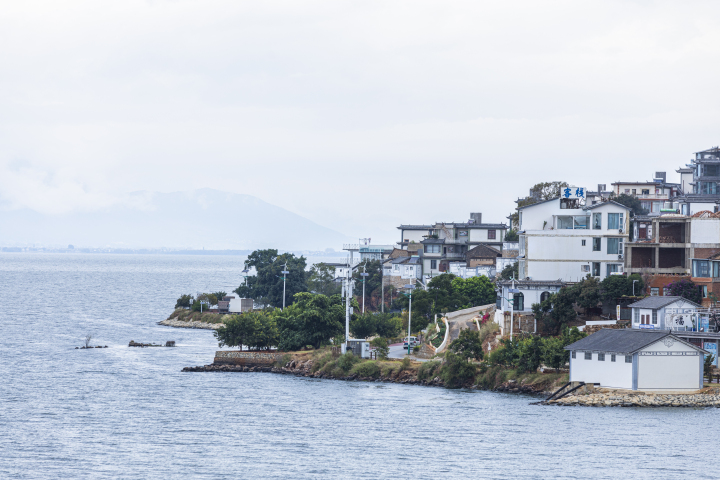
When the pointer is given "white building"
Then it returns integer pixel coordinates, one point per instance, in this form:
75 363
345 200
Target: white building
664 313
634 359
526 293
562 239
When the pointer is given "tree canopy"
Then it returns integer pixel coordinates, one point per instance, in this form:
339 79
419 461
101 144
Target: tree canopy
256 330
632 202
538 193
266 286
686 289
312 319
321 279
468 345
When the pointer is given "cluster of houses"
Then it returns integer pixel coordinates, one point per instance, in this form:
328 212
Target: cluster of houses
583 233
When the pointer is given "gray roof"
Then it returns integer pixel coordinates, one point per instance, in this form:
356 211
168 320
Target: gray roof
659 302
433 240
399 260
627 340
538 203
550 283
415 227
605 203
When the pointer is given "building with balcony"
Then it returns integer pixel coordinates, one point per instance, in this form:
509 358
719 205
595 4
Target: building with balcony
705 192
562 239
654 196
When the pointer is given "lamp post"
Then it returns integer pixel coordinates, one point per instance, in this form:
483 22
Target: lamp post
634 287
363 275
245 275
284 272
409 287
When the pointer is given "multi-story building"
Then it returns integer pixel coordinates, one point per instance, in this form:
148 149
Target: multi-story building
705 193
562 239
445 243
654 196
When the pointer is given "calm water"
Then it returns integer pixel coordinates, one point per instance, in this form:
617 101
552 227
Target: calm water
130 413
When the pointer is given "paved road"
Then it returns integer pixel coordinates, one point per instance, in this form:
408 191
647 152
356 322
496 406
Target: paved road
397 351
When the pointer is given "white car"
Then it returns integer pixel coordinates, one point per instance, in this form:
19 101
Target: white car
413 342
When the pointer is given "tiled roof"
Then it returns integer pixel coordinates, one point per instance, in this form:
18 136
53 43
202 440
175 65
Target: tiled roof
605 203
658 302
627 340
483 251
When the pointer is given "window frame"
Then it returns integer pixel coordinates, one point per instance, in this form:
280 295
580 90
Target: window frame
597 221
601 357
612 357
573 354
588 355
614 241
597 244
628 358
492 234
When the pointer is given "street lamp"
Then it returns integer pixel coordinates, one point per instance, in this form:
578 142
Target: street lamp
634 287
245 274
284 272
409 287
363 275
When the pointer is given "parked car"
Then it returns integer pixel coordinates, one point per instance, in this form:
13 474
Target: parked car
413 342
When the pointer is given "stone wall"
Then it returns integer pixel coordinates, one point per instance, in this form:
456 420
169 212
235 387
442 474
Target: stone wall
521 323
254 359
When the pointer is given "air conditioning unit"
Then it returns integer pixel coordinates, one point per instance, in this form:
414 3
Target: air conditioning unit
620 230
621 256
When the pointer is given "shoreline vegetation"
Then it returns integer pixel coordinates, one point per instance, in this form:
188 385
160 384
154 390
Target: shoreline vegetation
183 318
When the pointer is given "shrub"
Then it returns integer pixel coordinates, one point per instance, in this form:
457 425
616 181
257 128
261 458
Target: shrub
456 372
389 369
283 360
338 372
366 369
405 364
347 361
416 348
427 369
321 361
381 347
468 345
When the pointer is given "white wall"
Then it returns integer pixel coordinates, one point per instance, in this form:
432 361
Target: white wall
617 374
705 230
414 235
481 235
669 372
699 207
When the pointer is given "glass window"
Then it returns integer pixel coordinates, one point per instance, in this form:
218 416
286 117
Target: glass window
701 268
596 269
583 242
712 170
612 268
564 223
588 355
716 269
612 357
544 296
636 315
519 301
703 291
654 291
666 291
654 317
491 234
613 221
573 354
597 221
585 268
646 191
613 246
597 244
628 358
601 357
581 223
433 264
634 191
432 248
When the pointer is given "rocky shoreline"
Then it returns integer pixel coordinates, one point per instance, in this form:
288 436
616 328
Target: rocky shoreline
191 324
404 377
640 399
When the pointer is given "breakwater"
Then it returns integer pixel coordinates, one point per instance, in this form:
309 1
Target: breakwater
709 398
191 324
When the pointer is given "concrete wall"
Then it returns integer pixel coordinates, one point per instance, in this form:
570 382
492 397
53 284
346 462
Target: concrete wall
414 235
705 230
617 374
481 235
677 367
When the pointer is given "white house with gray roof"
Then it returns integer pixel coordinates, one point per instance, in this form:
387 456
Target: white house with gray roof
664 313
634 359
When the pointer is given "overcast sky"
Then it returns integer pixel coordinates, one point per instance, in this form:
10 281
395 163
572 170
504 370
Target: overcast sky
358 115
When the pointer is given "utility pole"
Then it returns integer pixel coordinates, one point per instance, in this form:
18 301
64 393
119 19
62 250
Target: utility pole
410 287
363 275
512 306
284 272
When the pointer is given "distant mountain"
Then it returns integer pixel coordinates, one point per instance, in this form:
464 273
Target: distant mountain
204 218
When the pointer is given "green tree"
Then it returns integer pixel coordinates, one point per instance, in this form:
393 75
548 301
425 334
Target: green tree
219 295
255 330
632 202
456 371
363 325
321 279
468 345
556 311
588 293
616 286
512 235
183 301
267 285
373 281
312 319
381 346
529 354
553 351
474 291
686 289
387 325
708 366
510 271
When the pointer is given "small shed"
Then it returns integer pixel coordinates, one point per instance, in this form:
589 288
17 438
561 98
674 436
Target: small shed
650 312
632 359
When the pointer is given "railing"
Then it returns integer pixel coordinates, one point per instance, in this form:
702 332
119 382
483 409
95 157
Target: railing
454 255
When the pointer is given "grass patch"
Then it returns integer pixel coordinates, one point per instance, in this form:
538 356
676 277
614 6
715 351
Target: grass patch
427 370
366 369
388 369
283 360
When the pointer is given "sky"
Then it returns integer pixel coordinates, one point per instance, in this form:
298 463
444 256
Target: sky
357 115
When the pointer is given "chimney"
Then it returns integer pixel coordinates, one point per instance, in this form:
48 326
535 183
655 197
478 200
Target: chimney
475 218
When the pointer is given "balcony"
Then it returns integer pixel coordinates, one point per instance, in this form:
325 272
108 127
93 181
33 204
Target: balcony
454 255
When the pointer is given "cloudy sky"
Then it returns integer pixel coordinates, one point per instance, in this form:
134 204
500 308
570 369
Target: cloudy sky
358 115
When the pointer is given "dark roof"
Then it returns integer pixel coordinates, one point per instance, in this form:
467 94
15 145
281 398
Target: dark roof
415 227
555 283
400 260
626 340
483 251
433 240
497 226
658 302
414 260
605 203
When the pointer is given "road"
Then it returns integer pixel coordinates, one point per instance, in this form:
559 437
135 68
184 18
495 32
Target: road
397 351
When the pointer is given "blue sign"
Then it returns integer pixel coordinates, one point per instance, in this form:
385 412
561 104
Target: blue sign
712 348
705 324
580 192
642 325
566 193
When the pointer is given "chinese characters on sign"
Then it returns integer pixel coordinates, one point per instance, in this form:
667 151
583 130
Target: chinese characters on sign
573 192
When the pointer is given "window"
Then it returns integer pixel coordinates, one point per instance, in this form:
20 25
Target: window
597 221
583 242
596 269
646 191
716 269
564 223
613 245
396 268
701 268
491 234
518 302
654 291
627 190
654 317
612 268
433 264
636 315
597 244
711 171
544 296
588 355
585 268
703 291
615 221
634 191
708 188
435 248
612 357
601 357
573 354
666 291
628 358
581 223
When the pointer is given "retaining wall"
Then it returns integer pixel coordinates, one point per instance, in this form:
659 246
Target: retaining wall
248 359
